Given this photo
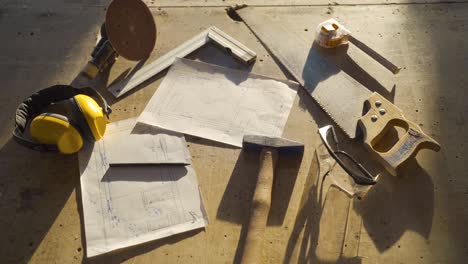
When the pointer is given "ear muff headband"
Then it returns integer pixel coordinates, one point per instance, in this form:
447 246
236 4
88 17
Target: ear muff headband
92 115
96 95
33 106
39 100
18 136
84 127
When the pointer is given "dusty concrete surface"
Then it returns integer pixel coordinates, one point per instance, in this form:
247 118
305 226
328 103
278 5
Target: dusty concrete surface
417 218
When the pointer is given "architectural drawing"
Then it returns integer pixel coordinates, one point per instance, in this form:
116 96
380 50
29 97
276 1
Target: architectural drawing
129 142
128 205
218 103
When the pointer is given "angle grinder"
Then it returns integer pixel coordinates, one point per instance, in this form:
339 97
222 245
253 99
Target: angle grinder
128 31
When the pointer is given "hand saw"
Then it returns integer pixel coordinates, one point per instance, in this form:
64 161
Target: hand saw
338 94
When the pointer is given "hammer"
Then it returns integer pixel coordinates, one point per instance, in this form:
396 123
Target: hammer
269 148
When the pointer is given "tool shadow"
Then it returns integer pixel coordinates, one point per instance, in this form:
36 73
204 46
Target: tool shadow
34 188
398 204
38 186
305 233
392 207
315 70
236 200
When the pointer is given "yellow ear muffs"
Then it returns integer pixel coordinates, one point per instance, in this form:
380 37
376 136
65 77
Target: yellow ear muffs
54 129
85 120
93 114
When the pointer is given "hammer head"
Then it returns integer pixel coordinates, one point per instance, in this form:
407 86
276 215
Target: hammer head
282 145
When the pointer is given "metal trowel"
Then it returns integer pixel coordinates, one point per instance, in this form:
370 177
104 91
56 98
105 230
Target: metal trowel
334 192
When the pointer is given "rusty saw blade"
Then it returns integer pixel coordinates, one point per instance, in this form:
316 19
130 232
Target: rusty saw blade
339 95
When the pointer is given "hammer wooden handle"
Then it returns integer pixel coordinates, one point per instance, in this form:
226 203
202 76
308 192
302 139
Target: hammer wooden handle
260 207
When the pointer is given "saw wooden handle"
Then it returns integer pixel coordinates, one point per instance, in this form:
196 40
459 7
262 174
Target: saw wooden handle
382 116
260 207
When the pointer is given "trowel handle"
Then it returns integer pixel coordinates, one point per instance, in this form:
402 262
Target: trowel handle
333 225
382 116
374 54
260 207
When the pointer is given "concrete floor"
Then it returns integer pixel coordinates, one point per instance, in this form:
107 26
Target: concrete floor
417 218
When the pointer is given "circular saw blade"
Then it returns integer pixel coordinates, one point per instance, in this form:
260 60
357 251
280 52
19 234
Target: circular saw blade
131 29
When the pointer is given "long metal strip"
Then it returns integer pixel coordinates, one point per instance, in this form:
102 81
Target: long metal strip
234 47
338 94
375 55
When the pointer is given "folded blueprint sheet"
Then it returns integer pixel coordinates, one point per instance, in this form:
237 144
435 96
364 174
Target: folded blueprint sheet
129 142
132 204
219 103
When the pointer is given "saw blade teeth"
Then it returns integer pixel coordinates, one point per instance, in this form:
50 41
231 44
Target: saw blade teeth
331 116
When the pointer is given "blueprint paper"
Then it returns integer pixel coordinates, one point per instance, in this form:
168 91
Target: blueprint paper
129 142
219 103
129 205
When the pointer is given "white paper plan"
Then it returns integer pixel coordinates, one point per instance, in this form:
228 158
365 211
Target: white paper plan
132 204
219 103
129 142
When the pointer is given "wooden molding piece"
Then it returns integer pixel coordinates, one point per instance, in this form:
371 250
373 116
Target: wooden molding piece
213 34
